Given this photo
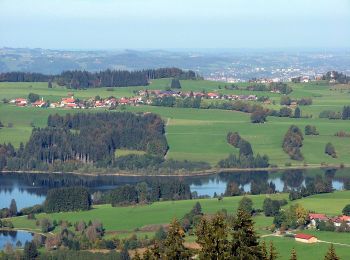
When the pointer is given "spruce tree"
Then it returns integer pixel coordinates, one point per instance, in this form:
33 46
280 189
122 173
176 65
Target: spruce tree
331 254
264 251
244 244
30 251
124 254
273 253
212 237
293 255
175 83
297 112
137 256
13 208
173 244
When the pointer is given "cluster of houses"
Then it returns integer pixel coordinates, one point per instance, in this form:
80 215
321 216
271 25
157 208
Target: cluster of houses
71 102
143 97
181 94
317 218
337 221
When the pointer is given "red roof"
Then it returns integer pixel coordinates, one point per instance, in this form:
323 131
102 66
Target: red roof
68 100
318 216
304 236
344 218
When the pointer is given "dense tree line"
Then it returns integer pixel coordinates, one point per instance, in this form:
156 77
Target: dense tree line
24 77
147 192
259 113
85 138
67 199
312 186
337 76
281 87
330 114
78 79
344 114
272 207
292 142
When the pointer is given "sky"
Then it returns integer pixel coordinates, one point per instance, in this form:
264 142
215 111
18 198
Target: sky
174 24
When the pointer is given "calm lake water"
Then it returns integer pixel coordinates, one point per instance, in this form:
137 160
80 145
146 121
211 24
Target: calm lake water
31 189
12 237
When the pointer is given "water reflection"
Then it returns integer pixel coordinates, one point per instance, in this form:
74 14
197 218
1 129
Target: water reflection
12 237
30 189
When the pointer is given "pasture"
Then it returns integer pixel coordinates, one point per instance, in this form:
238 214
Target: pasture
124 221
200 135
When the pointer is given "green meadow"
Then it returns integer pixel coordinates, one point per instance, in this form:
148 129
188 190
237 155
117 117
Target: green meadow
200 135
124 221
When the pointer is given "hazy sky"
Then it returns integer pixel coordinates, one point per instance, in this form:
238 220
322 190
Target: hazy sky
116 24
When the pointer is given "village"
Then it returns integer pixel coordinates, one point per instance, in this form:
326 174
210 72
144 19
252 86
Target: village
145 97
329 223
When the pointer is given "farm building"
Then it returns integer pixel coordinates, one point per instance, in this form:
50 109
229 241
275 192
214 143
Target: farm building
305 238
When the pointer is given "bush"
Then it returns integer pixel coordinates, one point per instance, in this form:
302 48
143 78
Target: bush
311 130
258 116
32 97
346 210
285 112
330 150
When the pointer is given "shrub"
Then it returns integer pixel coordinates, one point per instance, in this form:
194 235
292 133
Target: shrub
330 150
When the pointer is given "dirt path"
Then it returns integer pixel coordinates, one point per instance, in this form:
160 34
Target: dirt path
328 242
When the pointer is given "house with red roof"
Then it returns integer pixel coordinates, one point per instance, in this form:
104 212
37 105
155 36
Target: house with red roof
39 103
305 238
212 95
21 102
315 217
340 219
68 102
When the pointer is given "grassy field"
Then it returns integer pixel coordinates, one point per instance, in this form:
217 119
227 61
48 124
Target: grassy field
130 218
201 134
316 251
126 220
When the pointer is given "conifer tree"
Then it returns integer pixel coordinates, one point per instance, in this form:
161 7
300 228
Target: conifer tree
273 253
244 244
173 244
30 251
212 237
13 208
147 255
264 251
136 256
331 254
293 255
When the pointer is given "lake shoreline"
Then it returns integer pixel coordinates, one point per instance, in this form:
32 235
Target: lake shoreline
208 172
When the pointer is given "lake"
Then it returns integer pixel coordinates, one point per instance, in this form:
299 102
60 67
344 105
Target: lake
31 189
12 237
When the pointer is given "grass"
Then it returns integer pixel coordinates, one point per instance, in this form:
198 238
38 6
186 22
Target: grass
329 203
316 251
133 217
200 135
124 221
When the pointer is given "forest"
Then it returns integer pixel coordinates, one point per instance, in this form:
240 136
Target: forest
87 139
78 79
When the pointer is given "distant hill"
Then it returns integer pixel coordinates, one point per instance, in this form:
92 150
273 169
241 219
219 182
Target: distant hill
216 64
